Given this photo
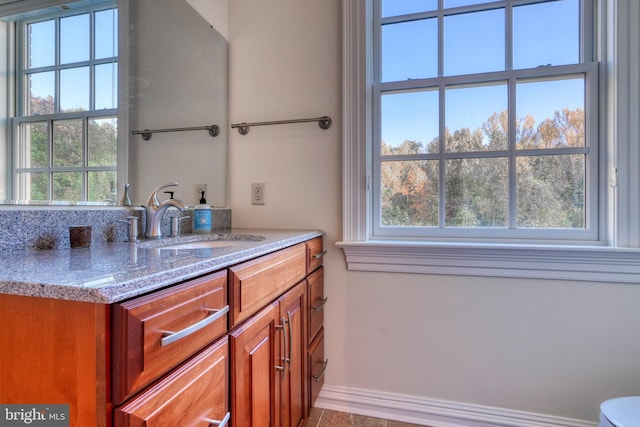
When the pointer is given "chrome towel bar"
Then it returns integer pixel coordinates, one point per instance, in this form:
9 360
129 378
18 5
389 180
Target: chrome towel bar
243 128
214 130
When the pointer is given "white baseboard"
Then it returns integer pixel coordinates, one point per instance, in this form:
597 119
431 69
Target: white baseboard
432 412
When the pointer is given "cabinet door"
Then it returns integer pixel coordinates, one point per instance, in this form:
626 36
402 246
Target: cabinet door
317 366
255 370
293 315
195 394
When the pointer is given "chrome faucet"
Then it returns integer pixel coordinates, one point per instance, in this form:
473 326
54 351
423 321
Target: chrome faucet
155 210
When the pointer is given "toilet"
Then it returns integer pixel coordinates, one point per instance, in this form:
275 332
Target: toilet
620 412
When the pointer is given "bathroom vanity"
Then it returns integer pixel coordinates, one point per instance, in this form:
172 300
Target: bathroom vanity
149 334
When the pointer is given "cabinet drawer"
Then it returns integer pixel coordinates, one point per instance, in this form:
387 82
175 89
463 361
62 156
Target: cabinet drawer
315 253
317 366
193 395
154 333
257 282
316 302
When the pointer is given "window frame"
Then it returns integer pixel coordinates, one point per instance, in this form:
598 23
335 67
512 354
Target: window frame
510 78
613 258
41 10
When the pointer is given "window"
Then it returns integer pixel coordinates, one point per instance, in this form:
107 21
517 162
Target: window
454 165
480 111
65 129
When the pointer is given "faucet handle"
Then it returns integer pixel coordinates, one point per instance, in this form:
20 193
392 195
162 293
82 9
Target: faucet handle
153 197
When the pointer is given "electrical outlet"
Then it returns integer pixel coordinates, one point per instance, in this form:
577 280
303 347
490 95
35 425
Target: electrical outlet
199 188
257 193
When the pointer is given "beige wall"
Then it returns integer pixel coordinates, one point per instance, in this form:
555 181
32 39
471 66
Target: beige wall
551 347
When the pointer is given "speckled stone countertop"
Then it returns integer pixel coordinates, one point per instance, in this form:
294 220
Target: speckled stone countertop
112 272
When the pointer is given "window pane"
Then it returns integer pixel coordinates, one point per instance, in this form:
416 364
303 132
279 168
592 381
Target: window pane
67 143
403 7
456 3
409 122
106 90
103 142
101 185
546 34
409 193
106 34
74 89
477 192
34 149
410 50
41 90
551 191
41 48
476 118
67 186
75 39
550 113
33 186
474 42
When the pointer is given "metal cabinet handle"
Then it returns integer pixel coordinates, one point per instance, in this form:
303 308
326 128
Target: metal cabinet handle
170 337
285 360
320 255
290 339
324 364
323 301
219 423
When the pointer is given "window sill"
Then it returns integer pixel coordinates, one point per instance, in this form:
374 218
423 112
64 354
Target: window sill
583 263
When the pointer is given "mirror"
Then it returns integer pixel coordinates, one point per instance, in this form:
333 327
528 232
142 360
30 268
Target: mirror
172 75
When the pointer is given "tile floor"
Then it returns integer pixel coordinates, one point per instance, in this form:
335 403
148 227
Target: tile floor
328 418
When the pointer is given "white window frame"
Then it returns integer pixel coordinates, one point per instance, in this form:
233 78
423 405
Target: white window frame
615 257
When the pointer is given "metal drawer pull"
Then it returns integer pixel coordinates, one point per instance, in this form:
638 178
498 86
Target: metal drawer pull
218 423
324 364
320 255
171 337
285 359
323 301
290 338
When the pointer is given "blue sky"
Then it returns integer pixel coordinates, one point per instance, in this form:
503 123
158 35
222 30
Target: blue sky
75 47
544 34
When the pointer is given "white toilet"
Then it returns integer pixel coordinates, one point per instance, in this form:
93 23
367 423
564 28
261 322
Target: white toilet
620 412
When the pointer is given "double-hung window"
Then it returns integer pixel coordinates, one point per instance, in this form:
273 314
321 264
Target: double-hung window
491 137
485 120
65 128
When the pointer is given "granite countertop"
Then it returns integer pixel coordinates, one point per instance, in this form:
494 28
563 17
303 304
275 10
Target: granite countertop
112 272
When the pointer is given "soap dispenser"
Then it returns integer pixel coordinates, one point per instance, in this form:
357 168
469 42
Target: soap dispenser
202 216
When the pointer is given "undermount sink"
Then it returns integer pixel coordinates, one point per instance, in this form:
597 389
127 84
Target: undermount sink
204 244
208 241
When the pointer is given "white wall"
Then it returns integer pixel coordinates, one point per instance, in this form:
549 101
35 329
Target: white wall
550 347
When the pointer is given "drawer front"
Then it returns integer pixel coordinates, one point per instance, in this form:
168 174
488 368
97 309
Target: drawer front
154 333
257 282
195 394
316 301
317 366
315 253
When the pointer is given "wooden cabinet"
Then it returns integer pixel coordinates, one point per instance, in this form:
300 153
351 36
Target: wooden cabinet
268 363
236 347
316 300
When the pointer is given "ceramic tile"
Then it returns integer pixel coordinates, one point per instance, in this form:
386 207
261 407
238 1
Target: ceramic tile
401 424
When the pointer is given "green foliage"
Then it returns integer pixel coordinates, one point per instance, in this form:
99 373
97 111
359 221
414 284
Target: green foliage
550 188
68 150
